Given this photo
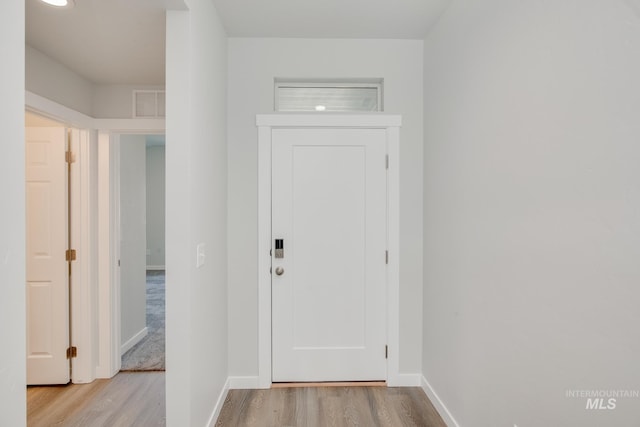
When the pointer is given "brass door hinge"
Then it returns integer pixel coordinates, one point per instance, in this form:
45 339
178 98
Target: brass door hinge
72 352
69 157
386 257
70 255
386 351
386 161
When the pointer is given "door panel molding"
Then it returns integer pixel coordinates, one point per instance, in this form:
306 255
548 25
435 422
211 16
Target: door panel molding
329 204
266 123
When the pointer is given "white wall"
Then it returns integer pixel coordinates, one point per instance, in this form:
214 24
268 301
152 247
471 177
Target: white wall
12 224
253 64
133 238
532 210
196 195
155 205
116 101
52 80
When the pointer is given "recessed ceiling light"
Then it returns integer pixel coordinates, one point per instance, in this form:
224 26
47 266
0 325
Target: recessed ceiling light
59 3
320 108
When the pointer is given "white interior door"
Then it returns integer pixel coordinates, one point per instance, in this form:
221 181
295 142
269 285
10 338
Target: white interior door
329 288
47 269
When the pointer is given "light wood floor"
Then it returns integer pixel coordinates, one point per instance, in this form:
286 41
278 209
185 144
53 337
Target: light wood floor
138 399
329 407
128 399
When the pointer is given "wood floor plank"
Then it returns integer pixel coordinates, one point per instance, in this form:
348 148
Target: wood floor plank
128 399
311 405
329 407
387 416
137 399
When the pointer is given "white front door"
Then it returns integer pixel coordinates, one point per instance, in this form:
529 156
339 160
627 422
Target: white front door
47 270
329 223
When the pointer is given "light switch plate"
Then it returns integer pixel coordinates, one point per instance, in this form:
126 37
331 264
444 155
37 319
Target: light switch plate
200 255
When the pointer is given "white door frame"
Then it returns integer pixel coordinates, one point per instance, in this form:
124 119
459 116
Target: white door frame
108 363
83 239
110 354
267 122
95 316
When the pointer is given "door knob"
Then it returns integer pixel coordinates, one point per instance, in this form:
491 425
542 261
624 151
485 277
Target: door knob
279 271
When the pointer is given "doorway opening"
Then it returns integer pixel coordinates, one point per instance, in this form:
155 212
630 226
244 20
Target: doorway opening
389 125
142 252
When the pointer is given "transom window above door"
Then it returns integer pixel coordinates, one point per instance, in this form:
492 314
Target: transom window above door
352 95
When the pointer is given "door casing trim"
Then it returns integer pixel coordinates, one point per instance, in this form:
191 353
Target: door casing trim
265 123
96 300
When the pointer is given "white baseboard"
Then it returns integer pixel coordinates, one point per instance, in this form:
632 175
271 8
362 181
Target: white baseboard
405 380
439 404
155 267
244 383
216 410
133 340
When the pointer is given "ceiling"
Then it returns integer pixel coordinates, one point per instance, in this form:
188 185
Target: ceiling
122 41
384 19
104 41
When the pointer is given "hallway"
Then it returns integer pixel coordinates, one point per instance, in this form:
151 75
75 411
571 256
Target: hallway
149 353
138 399
335 406
128 399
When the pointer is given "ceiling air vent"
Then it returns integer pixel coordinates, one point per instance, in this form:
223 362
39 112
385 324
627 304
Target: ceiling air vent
148 104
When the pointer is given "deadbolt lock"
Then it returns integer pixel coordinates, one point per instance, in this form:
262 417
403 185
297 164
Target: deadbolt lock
279 248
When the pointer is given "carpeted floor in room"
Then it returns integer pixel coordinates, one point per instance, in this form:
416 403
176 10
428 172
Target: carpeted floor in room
148 354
